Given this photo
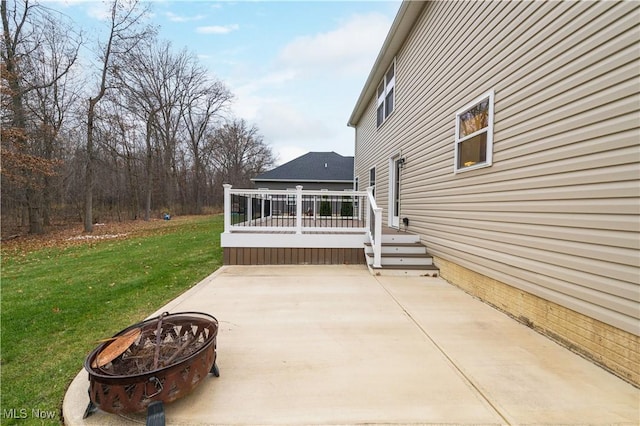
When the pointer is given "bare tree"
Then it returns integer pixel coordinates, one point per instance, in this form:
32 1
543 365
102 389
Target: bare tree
124 34
206 103
146 95
36 58
176 99
50 105
238 152
152 122
119 136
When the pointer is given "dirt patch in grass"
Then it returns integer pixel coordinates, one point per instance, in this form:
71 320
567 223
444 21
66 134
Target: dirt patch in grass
61 236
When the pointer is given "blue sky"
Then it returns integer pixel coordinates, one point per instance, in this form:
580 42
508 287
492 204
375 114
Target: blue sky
296 68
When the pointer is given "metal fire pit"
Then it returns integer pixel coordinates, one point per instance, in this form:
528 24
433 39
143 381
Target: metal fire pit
116 393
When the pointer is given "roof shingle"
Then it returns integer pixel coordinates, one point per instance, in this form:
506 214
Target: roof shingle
313 166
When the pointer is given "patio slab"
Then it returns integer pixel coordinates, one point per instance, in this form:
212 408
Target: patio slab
336 345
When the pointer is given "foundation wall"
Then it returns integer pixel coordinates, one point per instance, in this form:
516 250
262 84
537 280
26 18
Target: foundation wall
613 349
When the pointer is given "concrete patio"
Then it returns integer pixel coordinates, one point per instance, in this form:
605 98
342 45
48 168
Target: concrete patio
335 345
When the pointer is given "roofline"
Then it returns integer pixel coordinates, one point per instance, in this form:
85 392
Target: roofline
302 180
402 24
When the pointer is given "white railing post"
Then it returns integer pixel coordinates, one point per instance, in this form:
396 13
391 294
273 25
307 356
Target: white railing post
377 243
299 209
227 207
367 214
376 234
249 211
315 208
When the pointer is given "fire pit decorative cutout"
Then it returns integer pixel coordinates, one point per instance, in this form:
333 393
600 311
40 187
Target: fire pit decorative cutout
160 359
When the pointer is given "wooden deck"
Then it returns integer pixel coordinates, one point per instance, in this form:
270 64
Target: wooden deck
295 227
277 233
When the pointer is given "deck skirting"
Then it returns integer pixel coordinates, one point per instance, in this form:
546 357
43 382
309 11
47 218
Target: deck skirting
293 256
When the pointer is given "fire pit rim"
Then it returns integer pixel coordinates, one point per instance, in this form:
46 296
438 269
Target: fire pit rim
103 378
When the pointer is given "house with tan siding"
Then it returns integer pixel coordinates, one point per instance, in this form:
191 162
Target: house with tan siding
506 135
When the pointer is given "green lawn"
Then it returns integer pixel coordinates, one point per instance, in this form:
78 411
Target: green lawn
56 303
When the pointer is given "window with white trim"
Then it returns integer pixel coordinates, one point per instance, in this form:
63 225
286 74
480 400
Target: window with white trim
386 94
474 134
372 179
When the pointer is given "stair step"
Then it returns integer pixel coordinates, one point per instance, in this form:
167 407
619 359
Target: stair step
403 254
421 267
402 259
400 237
404 271
407 248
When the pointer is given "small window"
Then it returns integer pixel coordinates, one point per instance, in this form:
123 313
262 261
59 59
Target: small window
372 179
474 134
386 95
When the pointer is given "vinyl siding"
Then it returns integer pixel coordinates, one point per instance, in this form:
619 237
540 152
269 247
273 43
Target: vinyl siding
558 212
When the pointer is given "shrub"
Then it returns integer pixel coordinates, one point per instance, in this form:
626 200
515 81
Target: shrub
325 208
346 209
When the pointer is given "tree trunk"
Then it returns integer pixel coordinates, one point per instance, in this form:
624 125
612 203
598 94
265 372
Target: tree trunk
149 164
34 201
88 176
46 202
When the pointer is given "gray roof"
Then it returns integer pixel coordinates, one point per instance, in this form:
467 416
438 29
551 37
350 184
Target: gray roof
312 167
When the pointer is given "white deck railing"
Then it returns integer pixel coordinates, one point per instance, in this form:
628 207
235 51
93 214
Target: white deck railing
298 211
300 218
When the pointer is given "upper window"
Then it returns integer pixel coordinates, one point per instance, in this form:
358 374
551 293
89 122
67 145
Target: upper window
386 94
474 134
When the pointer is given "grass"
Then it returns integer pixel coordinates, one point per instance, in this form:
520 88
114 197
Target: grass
57 302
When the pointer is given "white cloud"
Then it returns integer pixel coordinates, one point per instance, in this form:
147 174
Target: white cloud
282 122
289 130
217 29
278 77
347 50
290 103
99 11
65 3
270 81
179 18
286 153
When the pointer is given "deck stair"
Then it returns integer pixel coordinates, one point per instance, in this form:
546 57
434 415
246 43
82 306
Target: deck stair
402 255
